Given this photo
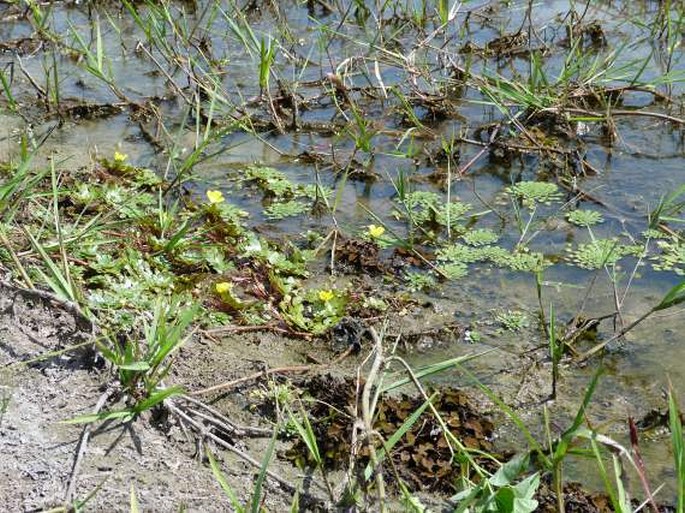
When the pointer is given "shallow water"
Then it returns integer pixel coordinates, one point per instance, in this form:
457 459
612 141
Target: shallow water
643 162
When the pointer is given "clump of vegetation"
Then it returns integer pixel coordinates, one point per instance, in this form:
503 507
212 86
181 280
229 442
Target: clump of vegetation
355 113
480 237
512 320
584 218
672 257
423 207
518 260
532 193
601 252
315 311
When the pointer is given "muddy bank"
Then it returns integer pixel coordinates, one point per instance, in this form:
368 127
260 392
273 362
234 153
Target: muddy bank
153 457
160 454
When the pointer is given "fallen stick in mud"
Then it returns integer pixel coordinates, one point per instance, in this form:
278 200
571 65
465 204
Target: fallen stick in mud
205 433
293 369
81 448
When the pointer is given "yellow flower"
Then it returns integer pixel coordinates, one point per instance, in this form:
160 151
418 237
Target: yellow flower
215 197
375 231
223 287
119 157
326 295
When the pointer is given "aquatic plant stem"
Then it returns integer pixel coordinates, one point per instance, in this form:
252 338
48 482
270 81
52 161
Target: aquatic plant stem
594 350
640 464
638 113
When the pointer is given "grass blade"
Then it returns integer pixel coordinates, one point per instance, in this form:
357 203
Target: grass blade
219 476
57 280
135 508
257 493
304 429
434 369
397 436
676 424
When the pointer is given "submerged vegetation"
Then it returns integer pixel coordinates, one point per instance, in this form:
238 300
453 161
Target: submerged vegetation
183 171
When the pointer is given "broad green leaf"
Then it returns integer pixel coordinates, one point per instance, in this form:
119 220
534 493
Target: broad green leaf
508 472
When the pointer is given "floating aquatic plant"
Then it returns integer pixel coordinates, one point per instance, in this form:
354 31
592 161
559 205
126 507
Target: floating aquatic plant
452 214
600 252
285 209
584 218
495 254
480 237
519 260
419 281
422 205
454 270
672 257
270 179
653 233
425 206
459 253
313 191
513 320
532 193
522 260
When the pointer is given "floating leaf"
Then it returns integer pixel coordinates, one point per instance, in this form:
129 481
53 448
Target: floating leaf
531 193
454 270
584 218
480 237
285 209
270 180
600 252
672 257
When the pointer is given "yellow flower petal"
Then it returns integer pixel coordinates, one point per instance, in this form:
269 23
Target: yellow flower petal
326 295
215 197
223 287
375 231
119 157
